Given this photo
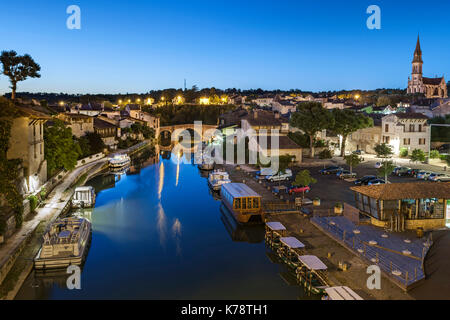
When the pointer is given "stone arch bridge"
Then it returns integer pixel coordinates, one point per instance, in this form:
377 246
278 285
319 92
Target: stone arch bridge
203 131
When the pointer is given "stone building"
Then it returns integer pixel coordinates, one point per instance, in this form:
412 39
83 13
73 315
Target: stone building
430 87
80 124
406 131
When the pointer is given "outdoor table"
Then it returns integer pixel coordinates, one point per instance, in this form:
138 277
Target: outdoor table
407 241
396 273
356 231
384 236
406 252
373 243
360 250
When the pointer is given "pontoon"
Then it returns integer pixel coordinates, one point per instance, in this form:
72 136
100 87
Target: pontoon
341 293
289 250
84 197
312 274
274 232
65 243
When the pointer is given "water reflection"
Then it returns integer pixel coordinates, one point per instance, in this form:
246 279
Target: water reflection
141 241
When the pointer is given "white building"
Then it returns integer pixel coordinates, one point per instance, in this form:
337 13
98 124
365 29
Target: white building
406 131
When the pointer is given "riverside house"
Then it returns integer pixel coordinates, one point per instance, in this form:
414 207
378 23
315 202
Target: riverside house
80 124
405 206
108 131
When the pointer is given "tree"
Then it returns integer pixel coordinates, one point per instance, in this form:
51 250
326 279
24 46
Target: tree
304 179
418 156
353 160
386 169
312 117
96 143
346 122
18 68
383 150
61 150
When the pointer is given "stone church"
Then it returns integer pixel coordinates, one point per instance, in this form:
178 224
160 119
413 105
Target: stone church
431 87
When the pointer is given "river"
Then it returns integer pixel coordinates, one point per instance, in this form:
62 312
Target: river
159 233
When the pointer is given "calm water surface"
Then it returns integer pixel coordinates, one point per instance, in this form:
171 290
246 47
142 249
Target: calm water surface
159 233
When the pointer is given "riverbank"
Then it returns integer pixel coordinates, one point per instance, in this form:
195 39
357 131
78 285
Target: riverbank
19 251
331 252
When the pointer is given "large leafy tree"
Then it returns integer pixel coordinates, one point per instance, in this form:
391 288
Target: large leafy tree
61 150
311 118
383 150
18 68
348 121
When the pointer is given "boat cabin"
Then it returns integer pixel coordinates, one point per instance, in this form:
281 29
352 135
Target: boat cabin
84 197
243 202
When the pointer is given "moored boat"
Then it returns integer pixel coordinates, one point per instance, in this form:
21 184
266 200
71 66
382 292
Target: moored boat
65 243
83 197
289 250
217 178
274 232
312 274
243 203
119 161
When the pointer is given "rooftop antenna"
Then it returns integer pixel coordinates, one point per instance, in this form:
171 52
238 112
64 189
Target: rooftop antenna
184 84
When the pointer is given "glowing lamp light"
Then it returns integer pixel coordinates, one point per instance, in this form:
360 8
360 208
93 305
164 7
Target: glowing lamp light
357 96
204 100
61 103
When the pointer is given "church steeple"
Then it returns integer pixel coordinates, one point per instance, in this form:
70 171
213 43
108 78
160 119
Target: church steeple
418 52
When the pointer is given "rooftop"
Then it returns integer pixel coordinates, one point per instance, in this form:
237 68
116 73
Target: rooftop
239 190
411 190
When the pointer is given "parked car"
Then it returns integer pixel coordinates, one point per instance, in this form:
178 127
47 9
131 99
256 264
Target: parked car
439 177
345 174
331 170
413 172
359 152
364 180
298 189
402 171
280 176
378 165
376 182
445 148
423 175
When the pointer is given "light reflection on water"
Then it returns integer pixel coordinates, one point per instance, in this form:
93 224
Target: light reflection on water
154 239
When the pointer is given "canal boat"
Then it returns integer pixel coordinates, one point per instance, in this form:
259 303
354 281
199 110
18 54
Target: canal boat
341 293
83 197
289 250
243 203
65 243
312 274
274 232
119 161
217 178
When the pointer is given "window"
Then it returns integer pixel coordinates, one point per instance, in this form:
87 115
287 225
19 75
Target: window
386 128
407 142
244 204
420 128
422 142
412 128
237 203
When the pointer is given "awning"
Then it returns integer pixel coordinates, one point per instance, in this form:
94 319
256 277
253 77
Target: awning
275 226
312 263
292 243
342 293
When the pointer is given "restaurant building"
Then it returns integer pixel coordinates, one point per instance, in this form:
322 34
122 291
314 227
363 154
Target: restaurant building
405 206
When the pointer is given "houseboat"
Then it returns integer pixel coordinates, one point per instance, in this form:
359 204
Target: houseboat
244 203
119 161
84 197
217 178
65 243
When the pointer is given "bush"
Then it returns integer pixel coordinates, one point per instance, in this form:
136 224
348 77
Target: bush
434 154
325 154
34 201
404 153
43 194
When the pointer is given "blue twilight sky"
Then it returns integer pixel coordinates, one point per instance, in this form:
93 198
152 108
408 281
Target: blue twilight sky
137 46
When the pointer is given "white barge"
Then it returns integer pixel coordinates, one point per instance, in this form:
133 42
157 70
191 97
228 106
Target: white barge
217 178
84 197
66 243
119 161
